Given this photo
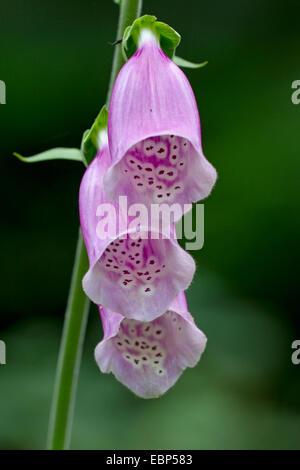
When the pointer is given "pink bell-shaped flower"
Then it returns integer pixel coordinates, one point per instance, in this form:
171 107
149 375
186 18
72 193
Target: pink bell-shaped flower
149 357
154 132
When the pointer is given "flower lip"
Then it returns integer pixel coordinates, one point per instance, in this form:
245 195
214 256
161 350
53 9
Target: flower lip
138 277
149 357
161 169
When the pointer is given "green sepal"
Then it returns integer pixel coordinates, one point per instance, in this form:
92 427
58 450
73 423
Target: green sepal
167 37
187 64
53 154
90 139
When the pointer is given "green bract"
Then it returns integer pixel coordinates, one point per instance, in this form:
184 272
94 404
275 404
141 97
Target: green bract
168 38
187 64
90 142
53 154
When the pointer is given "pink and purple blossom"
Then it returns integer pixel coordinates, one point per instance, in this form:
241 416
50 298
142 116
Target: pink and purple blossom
149 357
154 132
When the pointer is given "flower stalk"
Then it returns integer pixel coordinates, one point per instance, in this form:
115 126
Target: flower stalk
78 305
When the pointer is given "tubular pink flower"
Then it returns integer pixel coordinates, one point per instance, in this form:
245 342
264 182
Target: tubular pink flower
128 274
154 132
149 357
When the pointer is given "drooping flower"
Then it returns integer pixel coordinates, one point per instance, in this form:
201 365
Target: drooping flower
132 270
148 357
154 132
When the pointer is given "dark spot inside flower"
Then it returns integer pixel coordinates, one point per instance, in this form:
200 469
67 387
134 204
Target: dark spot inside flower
158 332
136 361
174 147
158 355
161 150
161 172
144 358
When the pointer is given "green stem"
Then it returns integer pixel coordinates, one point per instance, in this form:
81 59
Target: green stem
129 11
69 355
78 304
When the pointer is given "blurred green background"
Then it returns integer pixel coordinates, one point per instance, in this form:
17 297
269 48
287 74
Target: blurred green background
245 392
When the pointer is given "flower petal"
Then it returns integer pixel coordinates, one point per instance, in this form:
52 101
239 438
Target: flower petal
149 357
